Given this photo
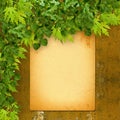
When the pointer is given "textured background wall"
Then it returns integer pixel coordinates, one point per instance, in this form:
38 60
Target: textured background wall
107 84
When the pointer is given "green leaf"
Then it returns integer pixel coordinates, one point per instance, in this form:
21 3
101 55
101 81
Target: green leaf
21 53
12 88
70 3
25 7
2 98
110 19
3 114
21 49
21 17
16 65
100 27
10 14
28 39
44 42
17 60
36 46
17 77
14 16
57 34
14 115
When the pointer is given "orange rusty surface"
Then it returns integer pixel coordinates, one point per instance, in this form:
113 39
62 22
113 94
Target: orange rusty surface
107 84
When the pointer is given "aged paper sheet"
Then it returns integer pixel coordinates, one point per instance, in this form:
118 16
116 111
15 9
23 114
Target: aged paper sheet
62 76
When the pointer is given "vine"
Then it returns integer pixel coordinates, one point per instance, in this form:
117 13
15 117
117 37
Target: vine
32 22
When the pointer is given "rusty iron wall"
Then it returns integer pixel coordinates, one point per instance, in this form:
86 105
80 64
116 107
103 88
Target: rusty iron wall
107 84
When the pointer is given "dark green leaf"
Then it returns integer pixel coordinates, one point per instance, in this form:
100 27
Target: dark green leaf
36 46
44 42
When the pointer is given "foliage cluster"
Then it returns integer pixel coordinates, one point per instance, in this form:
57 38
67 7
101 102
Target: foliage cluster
32 22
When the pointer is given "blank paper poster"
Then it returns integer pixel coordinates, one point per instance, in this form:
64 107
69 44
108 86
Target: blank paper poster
62 75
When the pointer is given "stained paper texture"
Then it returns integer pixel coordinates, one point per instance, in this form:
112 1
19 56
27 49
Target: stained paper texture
62 76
